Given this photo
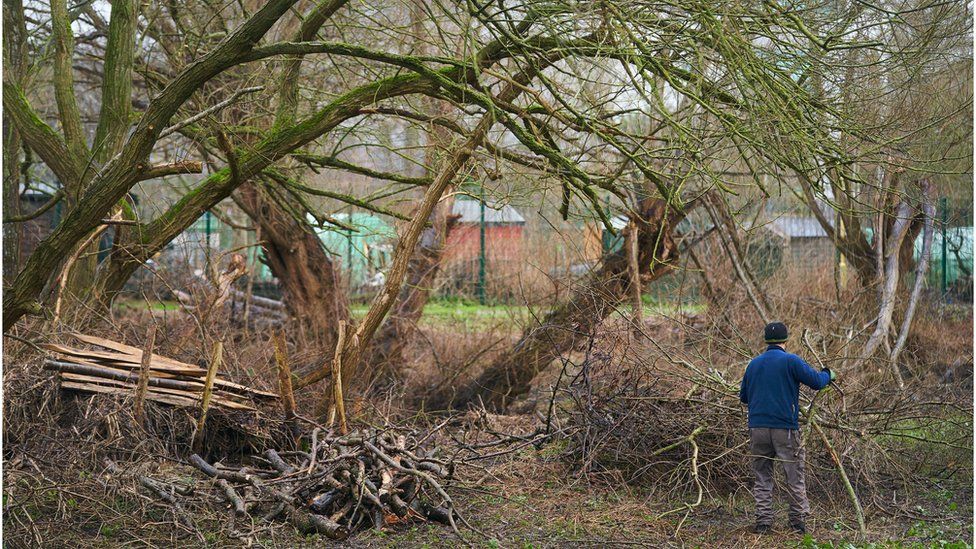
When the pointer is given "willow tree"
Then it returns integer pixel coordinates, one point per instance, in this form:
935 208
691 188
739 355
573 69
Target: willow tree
542 87
907 96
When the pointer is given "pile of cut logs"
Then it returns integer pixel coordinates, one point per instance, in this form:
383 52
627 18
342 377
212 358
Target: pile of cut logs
116 370
343 484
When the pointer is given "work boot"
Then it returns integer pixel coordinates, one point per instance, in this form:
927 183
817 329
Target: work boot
798 527
762 529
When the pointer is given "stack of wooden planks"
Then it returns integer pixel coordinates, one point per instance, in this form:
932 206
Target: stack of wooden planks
115 370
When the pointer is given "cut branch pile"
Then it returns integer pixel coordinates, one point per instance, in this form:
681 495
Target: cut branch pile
343 484
116 371
683 428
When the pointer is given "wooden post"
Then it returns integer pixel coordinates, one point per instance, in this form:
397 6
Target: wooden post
143 385
218 356
284 381
340 406
635 281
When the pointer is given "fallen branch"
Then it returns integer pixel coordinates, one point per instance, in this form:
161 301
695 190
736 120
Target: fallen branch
843 477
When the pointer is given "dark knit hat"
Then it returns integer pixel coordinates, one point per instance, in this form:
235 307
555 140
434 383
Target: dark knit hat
775 332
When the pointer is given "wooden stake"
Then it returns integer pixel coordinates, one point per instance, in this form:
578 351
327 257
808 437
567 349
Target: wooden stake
143 385
340 407
284 380
635 281
218 356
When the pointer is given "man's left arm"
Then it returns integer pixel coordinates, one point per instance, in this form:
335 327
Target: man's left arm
743 394
806 375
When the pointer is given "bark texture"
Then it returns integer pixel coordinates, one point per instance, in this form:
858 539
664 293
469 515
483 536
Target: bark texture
15 64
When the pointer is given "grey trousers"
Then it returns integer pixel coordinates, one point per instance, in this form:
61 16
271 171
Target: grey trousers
768 446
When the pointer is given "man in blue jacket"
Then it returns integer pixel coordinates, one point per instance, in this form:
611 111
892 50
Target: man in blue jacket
771 389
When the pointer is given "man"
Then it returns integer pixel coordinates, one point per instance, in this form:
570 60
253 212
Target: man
771 389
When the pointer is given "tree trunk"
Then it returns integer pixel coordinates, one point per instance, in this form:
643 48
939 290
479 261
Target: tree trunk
15 60
385 353
296 257
850 241
889 287
633 268
11 200
921 267
112 182
352 351
573 322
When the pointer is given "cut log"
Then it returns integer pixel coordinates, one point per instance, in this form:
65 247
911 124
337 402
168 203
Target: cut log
157 397
163 369
133 361
191 390
191 399
264 302
159 361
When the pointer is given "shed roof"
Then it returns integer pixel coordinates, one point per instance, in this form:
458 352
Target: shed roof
469 211
796 226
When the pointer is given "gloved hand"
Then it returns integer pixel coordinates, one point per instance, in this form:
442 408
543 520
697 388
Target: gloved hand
833 376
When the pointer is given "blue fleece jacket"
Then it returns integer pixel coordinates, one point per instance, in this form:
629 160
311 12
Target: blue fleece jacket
771 388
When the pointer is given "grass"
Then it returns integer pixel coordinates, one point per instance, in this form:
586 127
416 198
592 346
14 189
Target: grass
447 312
443 312
142 305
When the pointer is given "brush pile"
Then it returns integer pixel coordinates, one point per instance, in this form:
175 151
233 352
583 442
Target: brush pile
115 370
343 484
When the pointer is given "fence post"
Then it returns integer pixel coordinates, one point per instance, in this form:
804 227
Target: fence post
349 252
944 205
206 218
481 254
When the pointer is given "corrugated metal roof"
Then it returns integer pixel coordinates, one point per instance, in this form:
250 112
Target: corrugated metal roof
469 211
618 222
792 226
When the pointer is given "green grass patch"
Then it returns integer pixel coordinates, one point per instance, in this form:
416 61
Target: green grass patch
442 312
142 305
450 312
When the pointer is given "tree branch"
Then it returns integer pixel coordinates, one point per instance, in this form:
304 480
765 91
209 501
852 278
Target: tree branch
39 211
333 162
64 87
211 110
116 101
40 137
174 168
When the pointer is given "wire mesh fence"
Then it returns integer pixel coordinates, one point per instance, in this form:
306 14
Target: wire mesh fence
502 254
